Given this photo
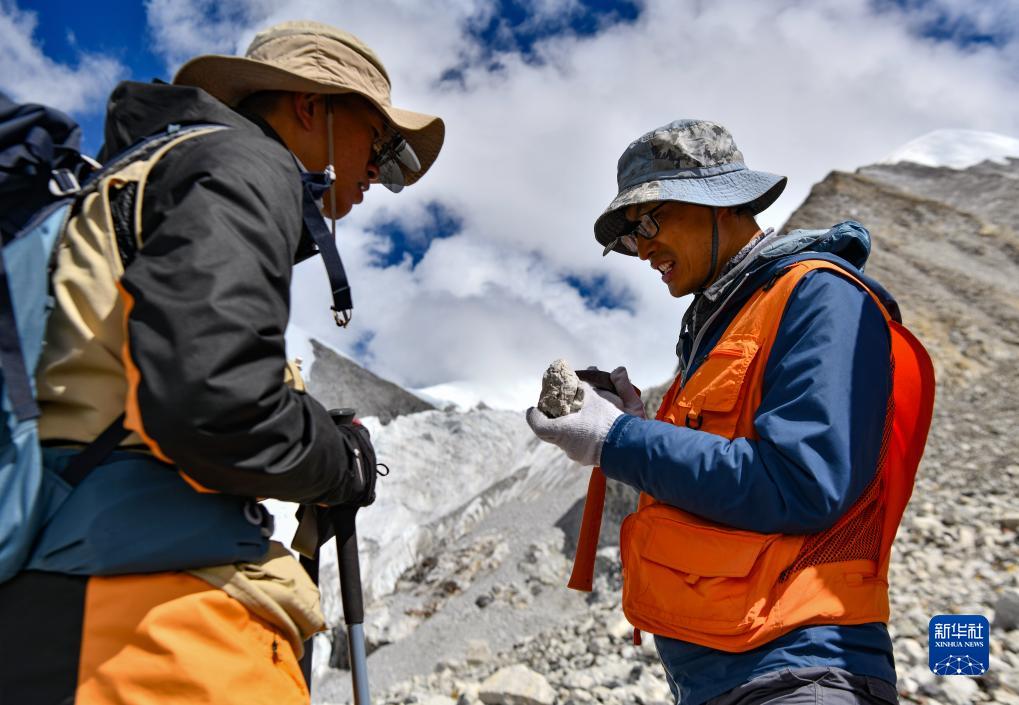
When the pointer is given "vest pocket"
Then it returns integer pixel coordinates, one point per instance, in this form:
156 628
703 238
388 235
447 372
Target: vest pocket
682 572
708 399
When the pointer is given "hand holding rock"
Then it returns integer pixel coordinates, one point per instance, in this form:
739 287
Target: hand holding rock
580 435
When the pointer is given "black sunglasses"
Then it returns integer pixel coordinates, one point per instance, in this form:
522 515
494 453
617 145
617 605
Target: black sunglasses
393 155
647 227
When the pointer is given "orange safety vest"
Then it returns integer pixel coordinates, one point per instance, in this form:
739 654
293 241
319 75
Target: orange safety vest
702 582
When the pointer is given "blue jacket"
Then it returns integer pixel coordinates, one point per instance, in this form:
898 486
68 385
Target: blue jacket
820 425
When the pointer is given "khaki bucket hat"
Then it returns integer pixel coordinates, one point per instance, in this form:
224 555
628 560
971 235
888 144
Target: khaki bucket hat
313 57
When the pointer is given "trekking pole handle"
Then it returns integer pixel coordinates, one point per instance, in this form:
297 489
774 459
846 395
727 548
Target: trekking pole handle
345 527
343 417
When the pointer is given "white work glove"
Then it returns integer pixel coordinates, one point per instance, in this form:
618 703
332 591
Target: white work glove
580 434
627 400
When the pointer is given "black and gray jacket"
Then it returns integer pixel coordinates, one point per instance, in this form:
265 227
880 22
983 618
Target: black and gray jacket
221 227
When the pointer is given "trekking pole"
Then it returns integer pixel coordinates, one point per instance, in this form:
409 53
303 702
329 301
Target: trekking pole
343 521
353 601
349 564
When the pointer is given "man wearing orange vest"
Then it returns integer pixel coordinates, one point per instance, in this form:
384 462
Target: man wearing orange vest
777 469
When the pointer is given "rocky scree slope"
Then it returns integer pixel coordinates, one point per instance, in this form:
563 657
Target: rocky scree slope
946 246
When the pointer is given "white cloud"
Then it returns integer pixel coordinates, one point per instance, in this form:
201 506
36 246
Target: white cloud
186 28
531 150
30 76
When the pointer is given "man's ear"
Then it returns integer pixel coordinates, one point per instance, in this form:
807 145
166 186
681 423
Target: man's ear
305 105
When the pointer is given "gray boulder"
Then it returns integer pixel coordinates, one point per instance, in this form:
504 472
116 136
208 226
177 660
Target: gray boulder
1006 611
516 685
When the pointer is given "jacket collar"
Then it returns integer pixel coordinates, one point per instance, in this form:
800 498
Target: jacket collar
847 244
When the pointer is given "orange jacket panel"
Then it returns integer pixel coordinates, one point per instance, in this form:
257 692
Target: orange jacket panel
172 639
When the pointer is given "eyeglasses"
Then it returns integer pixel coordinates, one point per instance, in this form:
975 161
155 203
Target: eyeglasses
392 155
647 227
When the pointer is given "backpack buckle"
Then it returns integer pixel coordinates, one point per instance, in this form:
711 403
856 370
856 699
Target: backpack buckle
63 182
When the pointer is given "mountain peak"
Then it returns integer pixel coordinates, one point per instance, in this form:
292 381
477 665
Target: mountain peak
956 149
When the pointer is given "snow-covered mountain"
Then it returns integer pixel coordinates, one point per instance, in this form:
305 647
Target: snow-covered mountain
956 149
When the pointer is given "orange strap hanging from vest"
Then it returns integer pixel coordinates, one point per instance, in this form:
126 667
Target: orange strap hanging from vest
582 577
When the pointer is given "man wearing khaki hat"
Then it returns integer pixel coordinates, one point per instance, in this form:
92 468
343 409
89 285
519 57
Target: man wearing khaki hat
167 340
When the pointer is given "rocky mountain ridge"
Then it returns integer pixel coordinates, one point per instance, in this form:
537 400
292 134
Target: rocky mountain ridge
337 382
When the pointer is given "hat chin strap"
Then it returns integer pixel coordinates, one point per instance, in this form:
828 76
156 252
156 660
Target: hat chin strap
330 169
325 240
714 253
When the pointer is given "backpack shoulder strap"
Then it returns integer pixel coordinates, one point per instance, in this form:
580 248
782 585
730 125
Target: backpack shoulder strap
95 452
135 164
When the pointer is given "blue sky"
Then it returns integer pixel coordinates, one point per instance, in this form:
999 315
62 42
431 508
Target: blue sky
67 28
940 23
475 278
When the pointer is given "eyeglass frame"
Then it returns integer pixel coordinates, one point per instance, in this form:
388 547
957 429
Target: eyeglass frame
391 153
647 227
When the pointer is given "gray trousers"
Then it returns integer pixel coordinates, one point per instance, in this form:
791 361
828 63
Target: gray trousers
810 686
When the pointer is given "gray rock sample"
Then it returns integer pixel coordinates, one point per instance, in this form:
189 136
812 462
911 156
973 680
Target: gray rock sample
517 685
561 392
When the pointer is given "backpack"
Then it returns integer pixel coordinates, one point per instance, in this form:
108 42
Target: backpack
43 177
40 170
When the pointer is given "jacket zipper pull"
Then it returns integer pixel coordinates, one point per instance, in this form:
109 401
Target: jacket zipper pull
636 637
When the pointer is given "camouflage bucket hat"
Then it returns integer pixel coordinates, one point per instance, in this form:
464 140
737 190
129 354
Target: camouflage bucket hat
691 161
